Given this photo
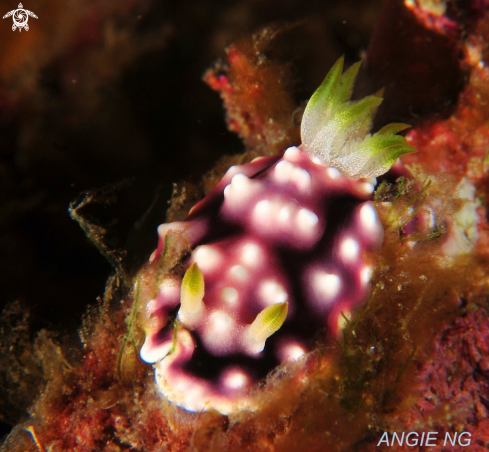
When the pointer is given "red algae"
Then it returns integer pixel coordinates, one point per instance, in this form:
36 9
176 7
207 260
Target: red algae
256 95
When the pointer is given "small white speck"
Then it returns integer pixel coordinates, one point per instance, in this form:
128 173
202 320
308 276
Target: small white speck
349 249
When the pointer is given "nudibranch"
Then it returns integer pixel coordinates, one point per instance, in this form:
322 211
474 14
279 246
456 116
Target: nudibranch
276 255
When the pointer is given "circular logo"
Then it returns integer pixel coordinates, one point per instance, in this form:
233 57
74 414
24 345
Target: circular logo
20 18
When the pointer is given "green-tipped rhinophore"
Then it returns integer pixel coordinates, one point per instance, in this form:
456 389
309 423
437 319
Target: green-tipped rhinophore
265 324
191 296
336 130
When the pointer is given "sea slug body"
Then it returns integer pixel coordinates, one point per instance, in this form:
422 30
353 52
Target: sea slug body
277 255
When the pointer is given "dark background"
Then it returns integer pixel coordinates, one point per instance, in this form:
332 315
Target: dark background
123 99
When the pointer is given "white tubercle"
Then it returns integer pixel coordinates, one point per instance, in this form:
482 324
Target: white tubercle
287 173
368 223
207 257
271 292
325 286
365 275
238 187
262 209
333 173
234 378
349 249
269 216
368 217
238 193
292 154
307 221
366 188
290 351
251 254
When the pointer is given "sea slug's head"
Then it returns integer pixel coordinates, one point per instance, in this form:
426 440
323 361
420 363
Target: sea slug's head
277 255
